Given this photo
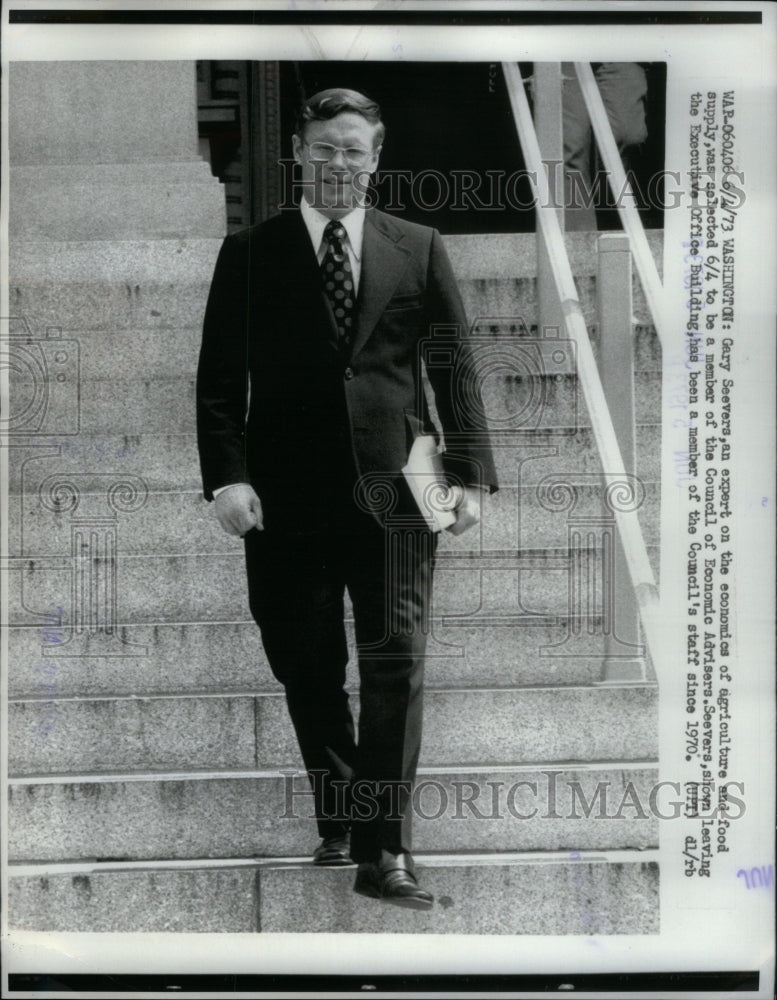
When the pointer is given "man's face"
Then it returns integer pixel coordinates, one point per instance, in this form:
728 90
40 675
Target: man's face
335 181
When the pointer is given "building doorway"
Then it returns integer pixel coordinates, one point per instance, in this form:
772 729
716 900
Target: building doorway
451 157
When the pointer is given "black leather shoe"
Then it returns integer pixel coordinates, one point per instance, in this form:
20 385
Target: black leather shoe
392 880
333 851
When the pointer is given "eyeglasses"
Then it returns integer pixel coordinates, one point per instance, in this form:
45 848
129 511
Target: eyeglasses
354 156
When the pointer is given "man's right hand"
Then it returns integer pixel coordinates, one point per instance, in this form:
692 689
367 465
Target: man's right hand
239 509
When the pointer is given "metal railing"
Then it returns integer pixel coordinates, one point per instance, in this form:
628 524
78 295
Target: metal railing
624 199
615 474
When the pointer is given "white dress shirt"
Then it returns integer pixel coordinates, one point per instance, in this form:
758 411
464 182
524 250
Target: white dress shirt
353 223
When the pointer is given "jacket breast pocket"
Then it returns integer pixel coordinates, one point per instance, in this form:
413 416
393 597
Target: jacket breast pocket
405 302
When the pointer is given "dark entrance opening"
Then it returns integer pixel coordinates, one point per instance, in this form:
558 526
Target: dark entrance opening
451 157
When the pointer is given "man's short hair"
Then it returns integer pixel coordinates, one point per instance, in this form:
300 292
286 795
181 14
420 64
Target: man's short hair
328 104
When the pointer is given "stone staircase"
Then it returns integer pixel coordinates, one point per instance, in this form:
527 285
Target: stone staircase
150 777
154 778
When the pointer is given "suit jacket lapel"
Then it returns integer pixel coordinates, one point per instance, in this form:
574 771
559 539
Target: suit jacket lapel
299 255
383 261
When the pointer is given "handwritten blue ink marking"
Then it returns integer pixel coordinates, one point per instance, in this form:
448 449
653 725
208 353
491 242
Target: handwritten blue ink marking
758 878
579 880
52 634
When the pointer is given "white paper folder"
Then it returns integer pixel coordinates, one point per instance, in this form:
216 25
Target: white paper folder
428 484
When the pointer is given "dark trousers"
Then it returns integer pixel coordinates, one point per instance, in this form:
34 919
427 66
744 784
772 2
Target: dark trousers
297 581
623 88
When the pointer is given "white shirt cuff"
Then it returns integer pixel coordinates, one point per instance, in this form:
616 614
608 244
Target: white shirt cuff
221 489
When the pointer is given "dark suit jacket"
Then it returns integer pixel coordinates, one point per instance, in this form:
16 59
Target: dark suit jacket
280 407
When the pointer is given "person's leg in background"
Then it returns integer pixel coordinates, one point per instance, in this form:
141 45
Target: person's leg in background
623 88
579 213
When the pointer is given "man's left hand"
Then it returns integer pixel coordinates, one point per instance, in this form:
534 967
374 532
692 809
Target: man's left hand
468 510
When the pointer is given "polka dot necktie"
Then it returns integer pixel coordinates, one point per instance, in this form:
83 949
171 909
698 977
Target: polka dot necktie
338 282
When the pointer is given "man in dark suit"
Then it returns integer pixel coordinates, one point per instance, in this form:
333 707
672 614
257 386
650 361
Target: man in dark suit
310 396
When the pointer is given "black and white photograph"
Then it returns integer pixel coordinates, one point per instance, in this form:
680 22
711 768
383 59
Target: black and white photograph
387 453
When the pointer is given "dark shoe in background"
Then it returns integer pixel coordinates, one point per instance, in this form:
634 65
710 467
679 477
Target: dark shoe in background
333 852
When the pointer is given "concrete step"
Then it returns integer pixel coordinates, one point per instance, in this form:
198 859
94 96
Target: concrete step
508 302
493 897
134 284
214 900
114 264
270 815
206 588
112 288
494 308
497 279
102 110
608 722
164 302
161 352
514 255
135 300
135 355
513 518
227 657
167 462
615 893
483 258
116 406
155 403
116 201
